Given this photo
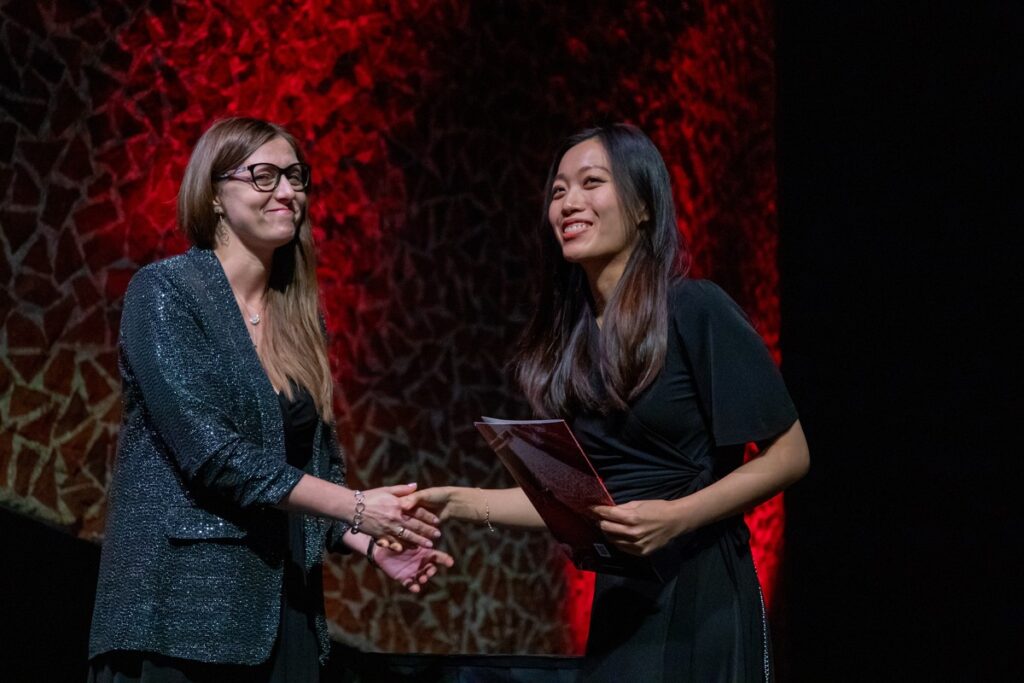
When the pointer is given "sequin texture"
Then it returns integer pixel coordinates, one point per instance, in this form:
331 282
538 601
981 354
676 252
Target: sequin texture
193 555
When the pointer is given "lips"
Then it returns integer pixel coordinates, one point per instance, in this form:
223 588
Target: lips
574 228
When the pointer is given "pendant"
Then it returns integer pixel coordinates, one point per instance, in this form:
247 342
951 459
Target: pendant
255 319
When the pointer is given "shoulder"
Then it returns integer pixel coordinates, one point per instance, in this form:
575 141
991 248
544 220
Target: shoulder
690 297
180 288
701 309
151 279
169 274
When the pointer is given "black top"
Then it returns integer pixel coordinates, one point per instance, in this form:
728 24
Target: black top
718 390
295 656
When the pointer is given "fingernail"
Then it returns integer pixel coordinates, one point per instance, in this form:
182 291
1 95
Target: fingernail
437 534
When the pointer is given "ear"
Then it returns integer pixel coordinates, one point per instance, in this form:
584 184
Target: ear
643 216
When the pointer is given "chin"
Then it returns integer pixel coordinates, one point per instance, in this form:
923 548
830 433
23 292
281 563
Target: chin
283 232
573 255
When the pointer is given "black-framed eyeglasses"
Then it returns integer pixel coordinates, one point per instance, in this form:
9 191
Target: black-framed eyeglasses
265 177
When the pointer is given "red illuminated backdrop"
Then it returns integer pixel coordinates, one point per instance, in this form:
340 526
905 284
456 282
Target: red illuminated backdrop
428 124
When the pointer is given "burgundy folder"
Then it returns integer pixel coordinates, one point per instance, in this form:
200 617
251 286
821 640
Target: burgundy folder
547 462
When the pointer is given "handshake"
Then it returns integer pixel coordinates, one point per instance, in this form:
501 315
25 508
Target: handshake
397 527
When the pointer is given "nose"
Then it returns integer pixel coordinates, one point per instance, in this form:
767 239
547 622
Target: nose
572 202
284 191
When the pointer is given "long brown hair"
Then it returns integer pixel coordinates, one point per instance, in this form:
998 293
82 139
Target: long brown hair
554 364
293 347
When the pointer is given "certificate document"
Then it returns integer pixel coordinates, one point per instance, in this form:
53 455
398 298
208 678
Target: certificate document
547 462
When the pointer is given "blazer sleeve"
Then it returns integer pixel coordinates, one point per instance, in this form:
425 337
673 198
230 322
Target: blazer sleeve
180 370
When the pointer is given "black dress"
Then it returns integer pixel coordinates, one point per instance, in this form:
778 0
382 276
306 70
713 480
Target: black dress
294 658
719 389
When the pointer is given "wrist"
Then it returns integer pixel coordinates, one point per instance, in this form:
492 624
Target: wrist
343 504
483 510
468 504
352 506
370 549
684 515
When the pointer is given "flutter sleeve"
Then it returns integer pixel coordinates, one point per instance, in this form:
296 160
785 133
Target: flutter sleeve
740 388
177 364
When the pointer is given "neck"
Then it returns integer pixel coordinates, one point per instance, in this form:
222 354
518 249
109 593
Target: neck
603 278
247 273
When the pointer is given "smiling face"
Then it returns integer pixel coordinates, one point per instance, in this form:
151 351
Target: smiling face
261 221
586 212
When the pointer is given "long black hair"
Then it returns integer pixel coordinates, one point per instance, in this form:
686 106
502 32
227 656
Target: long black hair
554 364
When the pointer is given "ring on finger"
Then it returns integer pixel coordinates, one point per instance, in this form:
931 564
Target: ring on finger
401 532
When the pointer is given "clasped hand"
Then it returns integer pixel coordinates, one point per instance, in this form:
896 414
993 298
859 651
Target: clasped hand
642 526
412 567
394 527
404 536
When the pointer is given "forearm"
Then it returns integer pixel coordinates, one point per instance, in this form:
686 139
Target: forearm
784 462
319 497
503 507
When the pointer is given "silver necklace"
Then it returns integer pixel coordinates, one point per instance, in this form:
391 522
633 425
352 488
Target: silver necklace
254 318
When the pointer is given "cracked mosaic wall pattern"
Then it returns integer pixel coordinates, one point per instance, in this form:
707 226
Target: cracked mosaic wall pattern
428 124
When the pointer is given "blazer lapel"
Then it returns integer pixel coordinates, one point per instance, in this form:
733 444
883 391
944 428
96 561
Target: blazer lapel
241 357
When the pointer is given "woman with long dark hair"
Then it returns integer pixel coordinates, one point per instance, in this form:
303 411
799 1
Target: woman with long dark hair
229 480
664 382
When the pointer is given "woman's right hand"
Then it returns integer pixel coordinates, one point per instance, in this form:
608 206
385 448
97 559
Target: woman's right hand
490 507
386 517
437 500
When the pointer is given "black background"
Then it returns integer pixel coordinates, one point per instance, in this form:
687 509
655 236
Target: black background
901 212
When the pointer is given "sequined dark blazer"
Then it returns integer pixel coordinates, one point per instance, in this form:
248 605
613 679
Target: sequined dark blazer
192 560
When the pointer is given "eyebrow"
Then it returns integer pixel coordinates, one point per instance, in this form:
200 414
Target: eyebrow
584 169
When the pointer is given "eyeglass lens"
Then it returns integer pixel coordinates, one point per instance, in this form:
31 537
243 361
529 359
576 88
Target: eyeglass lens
265 176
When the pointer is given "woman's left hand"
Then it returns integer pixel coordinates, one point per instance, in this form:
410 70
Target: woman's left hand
411 567
642 526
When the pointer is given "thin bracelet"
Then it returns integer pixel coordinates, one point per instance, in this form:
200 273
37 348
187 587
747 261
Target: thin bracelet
369 552
357 518
487 516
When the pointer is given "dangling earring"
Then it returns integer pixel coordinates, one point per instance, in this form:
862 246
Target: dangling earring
221 231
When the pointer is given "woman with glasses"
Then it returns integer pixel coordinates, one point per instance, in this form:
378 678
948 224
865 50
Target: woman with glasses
663 381
229 481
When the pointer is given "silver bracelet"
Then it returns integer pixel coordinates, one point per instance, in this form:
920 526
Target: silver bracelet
357 518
